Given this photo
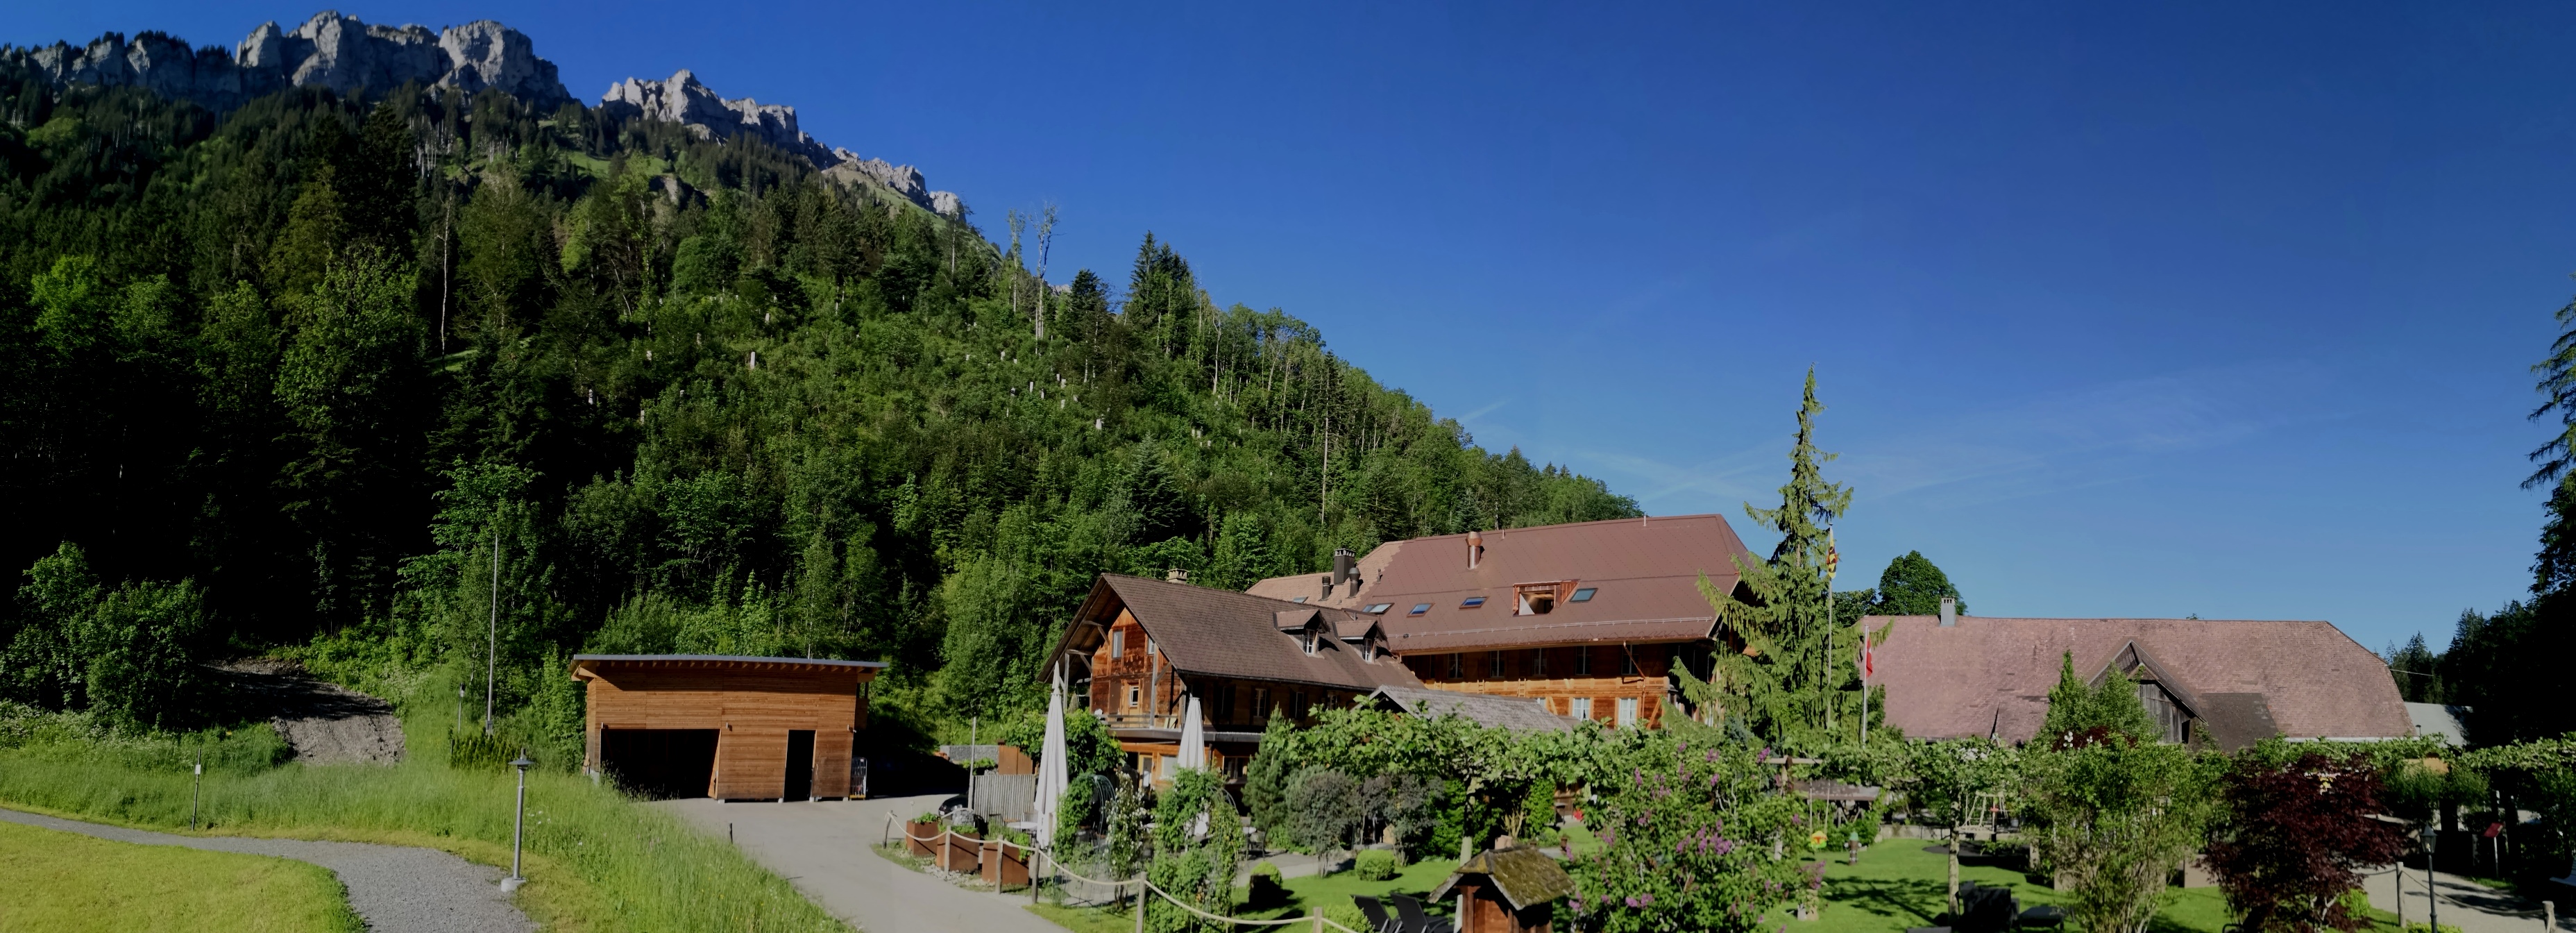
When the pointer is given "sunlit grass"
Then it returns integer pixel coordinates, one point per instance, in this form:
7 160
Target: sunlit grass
67 883
1897 886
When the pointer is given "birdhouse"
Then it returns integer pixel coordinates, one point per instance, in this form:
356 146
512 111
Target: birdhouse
1506 889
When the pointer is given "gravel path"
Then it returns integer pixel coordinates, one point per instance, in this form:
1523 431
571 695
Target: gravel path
396 889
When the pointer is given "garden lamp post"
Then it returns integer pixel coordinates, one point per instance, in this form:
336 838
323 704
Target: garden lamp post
519 824
2432 895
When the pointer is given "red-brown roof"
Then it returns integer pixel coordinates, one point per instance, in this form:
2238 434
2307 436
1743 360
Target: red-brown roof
1228 634
1644 573
1992 675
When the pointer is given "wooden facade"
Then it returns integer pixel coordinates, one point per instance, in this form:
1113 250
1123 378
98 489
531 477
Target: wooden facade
733 728
1612 684
1138 691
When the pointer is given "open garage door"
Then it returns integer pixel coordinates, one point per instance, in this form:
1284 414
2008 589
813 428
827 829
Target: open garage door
660 763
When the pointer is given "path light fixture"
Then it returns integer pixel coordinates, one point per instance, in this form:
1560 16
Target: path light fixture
2432 895
519 824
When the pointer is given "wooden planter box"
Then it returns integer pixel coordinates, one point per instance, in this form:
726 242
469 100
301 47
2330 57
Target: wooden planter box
959 852
918 837
1005 866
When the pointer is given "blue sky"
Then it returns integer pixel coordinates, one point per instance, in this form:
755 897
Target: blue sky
2215 310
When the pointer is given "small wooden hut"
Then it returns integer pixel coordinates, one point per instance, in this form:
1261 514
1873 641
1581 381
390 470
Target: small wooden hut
1507 889
733 728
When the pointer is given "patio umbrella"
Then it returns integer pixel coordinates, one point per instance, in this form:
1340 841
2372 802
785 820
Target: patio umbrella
1052 773
1193 739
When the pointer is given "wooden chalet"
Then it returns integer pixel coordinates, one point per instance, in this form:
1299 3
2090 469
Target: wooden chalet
1138 650
733 728
1589 619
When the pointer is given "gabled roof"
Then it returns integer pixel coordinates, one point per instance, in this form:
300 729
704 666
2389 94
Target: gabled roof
2247 680
1644 573
1223 633
590 665
1520 714
1524 876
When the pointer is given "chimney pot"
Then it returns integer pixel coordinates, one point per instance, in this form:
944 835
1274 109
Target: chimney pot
1949 611
1327 581
1343 569
1475 549
1176 575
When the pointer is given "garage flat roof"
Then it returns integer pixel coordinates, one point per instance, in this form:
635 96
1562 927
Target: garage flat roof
583 661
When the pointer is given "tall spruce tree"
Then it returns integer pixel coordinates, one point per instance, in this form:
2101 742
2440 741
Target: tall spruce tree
1791 656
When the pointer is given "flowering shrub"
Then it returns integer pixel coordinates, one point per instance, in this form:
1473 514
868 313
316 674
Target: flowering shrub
1691 838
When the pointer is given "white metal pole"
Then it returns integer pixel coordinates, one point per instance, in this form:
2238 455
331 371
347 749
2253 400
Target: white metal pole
519 825
492 655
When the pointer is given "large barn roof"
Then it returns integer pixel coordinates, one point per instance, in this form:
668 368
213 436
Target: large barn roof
1644 573
1223 633
1991 676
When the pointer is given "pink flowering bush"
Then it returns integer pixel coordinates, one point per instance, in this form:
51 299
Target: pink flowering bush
1689 834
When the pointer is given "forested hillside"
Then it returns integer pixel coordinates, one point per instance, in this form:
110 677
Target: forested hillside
322 358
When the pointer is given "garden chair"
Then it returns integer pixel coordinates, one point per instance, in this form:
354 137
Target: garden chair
1412 919
1370 907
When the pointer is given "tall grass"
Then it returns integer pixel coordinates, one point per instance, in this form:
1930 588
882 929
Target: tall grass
598 861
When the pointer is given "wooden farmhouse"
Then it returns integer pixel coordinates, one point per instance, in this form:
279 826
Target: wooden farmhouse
1588 619
1139 650
733 728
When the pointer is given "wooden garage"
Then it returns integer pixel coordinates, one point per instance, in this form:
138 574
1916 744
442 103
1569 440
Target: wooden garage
733 728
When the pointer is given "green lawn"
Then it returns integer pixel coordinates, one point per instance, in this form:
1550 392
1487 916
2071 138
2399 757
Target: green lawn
65 883
1898 885
1305 896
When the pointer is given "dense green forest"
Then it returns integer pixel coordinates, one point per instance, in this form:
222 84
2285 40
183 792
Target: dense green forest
345 377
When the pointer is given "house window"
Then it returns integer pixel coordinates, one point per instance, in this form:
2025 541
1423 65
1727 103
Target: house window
1457 667
1117 643
1579 707
1261 702
1234 769
1627 662
1135 695
1225 703
1162 767
1583 661
1627 711
1494 666
1297 704
1538 662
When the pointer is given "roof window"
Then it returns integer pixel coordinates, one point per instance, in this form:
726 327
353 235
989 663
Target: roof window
1471 602
1378 608
1298 600
1419 608
1583 595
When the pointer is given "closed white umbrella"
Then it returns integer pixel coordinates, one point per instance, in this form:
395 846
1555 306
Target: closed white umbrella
1193 739
1052 773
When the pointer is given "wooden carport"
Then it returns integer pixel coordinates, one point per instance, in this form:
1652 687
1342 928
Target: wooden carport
733 728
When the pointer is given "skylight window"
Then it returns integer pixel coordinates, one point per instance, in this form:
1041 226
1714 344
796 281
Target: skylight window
1419 608
1298 600
1472 602
1583 595
1378 608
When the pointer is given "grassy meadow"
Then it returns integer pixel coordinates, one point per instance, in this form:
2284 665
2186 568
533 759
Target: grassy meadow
595 860
66 883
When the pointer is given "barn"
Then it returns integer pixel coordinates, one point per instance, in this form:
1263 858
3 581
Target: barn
732 728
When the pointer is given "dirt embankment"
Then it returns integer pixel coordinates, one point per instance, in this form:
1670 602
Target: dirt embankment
324 722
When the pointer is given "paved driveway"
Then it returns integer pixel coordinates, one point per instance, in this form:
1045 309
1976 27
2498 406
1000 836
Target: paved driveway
823 848
2465 904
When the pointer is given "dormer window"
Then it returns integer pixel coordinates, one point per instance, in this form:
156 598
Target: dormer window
1538 599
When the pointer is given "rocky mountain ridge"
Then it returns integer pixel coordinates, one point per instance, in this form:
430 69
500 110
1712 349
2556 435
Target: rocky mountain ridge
349 57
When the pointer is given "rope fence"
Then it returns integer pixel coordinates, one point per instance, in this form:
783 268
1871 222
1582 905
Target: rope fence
1037 857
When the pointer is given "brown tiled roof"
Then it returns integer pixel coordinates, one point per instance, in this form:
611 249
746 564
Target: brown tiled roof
1521 714
2248 678
1223 633
1644 571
